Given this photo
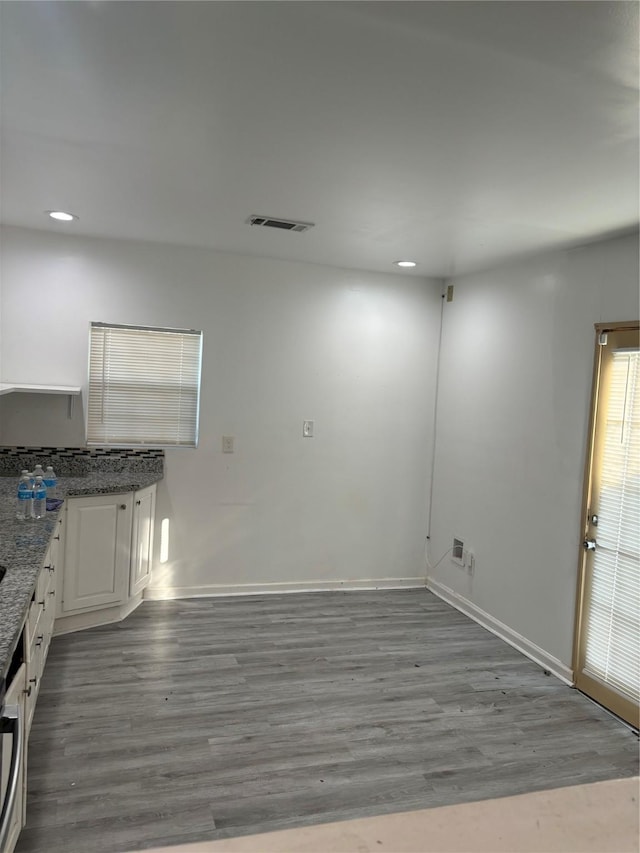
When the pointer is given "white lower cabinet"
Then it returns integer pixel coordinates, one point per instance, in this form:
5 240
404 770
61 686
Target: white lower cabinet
38 628
108 550
24 684
144 513
97 551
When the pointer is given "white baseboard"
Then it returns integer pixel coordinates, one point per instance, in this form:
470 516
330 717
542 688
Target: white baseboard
212 590
526 647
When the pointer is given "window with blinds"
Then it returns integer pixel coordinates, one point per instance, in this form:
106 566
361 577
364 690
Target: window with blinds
144 386
613 621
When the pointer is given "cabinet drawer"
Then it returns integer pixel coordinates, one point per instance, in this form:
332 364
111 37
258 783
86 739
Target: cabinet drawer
34 674
41 589
47 588
42 609
33 623
51 558
45 627
36 609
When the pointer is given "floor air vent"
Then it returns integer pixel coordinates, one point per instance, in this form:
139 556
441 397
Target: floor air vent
282 224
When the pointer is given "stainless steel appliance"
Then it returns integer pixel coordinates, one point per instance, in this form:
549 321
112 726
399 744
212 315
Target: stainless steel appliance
11 737
11 732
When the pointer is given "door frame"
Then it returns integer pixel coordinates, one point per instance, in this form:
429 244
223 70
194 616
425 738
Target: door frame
619 704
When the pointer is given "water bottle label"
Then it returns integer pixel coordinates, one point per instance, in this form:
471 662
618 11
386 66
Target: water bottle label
49 483
24 496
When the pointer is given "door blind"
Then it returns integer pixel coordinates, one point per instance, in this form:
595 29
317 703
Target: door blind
144 386
613 626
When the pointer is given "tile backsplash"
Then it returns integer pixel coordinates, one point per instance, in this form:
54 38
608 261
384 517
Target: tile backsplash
80 461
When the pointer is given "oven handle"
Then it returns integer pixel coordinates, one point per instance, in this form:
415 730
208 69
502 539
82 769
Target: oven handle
11 723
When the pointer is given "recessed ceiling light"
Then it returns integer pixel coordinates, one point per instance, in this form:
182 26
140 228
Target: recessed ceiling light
406 264
60 215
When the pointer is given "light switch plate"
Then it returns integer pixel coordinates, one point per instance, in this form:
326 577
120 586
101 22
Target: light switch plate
307 429
227 444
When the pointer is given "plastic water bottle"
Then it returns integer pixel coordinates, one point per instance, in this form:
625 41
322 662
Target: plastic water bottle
38 472
39 499
32 478
25 498
51 481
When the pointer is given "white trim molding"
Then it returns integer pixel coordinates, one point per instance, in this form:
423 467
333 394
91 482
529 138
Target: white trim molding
213 590
526 647
70 622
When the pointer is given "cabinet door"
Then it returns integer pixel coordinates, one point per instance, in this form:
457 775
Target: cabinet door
14 696
144 511
97 551
56 562
34 674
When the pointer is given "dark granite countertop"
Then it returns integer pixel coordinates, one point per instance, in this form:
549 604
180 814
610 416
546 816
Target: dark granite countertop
105 483
23 545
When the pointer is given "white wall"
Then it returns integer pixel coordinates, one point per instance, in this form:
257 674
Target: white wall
354 351
515 384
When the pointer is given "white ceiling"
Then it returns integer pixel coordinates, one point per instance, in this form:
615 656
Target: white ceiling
453 133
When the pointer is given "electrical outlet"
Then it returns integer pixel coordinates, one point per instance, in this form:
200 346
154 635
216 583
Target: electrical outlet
307 429
227 443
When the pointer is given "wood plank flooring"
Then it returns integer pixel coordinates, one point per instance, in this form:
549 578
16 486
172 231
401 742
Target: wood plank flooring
209 718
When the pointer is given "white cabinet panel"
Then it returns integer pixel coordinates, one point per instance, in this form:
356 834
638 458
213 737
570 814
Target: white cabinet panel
144 511
97 551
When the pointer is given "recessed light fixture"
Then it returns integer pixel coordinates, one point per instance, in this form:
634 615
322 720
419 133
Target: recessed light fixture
61 216
405 264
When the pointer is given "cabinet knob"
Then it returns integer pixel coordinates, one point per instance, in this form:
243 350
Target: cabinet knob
56 537
40 639
138 503
28 692
123 506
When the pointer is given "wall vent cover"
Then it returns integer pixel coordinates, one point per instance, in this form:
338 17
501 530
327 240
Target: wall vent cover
457 552
282 224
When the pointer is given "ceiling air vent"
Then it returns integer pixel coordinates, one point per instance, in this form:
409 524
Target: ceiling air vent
282 224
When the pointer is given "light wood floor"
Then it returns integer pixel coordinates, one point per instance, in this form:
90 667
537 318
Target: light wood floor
601 817
209 718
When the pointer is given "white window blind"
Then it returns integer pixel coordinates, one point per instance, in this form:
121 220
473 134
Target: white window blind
144 385
613 646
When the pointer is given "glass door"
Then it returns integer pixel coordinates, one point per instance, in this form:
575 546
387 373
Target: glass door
607 649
